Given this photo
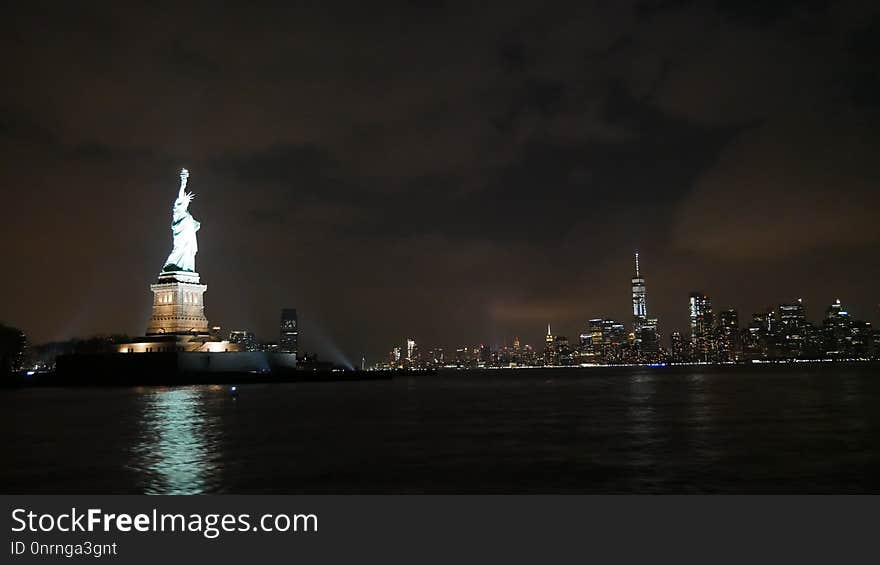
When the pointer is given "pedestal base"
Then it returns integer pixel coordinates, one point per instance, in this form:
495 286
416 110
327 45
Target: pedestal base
178 305
176 343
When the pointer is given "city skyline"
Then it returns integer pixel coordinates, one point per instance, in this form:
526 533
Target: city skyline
715 335
387 181
638 318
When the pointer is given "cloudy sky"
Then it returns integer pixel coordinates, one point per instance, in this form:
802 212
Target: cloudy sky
458 173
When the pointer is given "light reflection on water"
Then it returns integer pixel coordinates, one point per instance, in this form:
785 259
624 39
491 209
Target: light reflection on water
642 418
700 413
675 430
176 451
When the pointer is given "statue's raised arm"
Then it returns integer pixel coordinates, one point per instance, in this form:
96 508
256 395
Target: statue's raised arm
184 174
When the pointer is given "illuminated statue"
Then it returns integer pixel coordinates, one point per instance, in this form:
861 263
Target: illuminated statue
183 229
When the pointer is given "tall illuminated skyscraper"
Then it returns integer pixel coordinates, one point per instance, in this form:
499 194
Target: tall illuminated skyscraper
639 300
287 342
549 347
792 316
729 339
410 350
701 318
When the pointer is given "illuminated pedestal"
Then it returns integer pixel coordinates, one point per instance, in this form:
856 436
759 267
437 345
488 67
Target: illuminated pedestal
178 323
178 305
169 343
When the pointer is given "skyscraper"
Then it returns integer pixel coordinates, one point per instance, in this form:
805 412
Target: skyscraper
756 344
729 342
12 349
287 342
614 341
701 318
792 316
562 350
549 347
677 347
245 339
837 330
411 351
791 330
648 341
639 301
595 331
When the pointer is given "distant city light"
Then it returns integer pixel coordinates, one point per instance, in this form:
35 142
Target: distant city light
781 334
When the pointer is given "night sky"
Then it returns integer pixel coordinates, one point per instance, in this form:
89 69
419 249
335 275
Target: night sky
460 173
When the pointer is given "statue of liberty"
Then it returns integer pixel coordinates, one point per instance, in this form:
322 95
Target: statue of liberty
183 230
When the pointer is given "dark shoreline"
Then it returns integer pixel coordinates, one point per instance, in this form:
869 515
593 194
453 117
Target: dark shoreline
164 378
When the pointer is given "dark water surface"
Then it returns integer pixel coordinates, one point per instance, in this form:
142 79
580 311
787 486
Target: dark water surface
783 429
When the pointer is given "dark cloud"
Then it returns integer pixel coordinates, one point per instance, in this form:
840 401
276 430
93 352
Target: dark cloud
456 172
786 188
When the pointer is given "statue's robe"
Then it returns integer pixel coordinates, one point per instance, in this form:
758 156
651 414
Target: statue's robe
183 255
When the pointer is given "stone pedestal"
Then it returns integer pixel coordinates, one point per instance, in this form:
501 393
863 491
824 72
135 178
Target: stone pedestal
178 305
